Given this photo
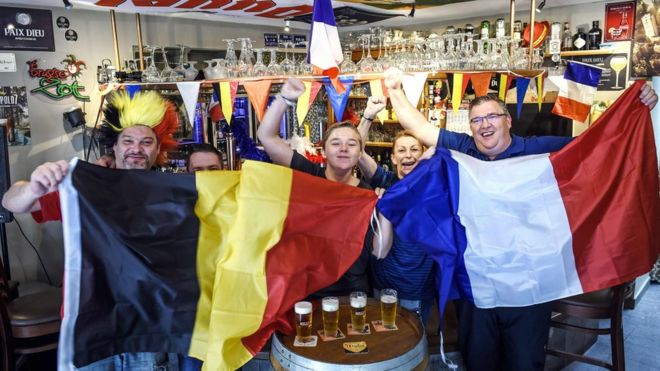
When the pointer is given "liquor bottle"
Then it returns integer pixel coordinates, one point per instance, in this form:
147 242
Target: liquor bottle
469 29
624 27
649 21
567 39
517 31
485 29
580 40
499 28
595 36
554 45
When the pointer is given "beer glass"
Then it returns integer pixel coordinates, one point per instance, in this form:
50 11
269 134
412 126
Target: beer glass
303 311
330 306
388 303
358 310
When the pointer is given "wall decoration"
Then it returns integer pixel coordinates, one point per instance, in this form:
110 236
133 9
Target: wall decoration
71 35
26 29
62 22
300 40
7 62
646 47
14 115
619 21
53 82
615 65
270 40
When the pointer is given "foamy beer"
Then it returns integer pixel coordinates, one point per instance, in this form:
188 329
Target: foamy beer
358 310
303 311
388 301
330 306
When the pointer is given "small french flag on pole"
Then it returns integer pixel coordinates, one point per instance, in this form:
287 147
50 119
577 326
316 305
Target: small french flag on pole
324 47
576 95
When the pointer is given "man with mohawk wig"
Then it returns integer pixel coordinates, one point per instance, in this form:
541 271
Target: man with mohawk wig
140 132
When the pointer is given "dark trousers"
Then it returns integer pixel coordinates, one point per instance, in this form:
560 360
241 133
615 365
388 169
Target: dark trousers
511 339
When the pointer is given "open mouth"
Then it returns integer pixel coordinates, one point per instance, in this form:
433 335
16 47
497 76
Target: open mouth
487 134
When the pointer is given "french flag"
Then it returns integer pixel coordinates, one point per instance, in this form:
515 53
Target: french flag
324 47
532 229
576 95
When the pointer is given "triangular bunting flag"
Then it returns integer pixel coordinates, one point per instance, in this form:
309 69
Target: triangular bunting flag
306 99
189 93
227 97
539 90
258 92
376 87
521 88
413 85
480 83
555 83
457 91
339 100
505 82
215 110
132 89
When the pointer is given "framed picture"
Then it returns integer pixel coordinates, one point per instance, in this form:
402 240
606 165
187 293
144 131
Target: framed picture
619 21
270 40
614 59
646 47
26 29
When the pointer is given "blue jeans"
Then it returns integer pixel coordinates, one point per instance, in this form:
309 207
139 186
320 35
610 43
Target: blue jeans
187 363
136 362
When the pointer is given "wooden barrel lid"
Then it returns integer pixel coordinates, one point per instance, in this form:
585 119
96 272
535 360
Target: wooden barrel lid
405 348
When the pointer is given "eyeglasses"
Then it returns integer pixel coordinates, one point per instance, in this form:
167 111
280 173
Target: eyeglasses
491 117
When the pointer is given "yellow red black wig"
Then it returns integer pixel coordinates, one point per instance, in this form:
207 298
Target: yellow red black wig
144 108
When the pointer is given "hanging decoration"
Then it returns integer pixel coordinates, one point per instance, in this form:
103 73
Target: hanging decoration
539 90
338 100
305 101
457 91
52 82
131 89
227 98
258 93
189 93
379 90
505 82
413 85
480 83
521 88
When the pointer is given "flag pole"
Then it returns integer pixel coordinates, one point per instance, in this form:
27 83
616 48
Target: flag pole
532 15
115 41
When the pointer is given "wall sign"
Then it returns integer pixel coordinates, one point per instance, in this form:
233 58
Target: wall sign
619 21
71 35
26 29
615 65
53 81
62 22
270 40
14 115
299 41
7 62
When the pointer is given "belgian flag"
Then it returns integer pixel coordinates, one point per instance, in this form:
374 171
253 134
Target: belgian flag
205 264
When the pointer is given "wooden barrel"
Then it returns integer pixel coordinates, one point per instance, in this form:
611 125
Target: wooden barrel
404 349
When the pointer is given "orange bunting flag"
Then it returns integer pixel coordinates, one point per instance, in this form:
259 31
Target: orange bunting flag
227 98
258 92
480 83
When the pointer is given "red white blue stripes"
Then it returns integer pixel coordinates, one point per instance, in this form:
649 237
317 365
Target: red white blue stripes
324 47
577 95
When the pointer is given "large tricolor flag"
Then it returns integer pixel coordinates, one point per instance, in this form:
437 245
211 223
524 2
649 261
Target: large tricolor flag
325 53
576 95
206 264
532 229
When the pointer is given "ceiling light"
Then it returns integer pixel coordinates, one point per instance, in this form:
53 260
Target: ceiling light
67 4
287 25
541 5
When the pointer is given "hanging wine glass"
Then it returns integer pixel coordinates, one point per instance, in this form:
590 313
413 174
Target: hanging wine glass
167 73
359 63
230 58
304 67
244 64
288 67
151 73
273 68
348 66
180 70
259 68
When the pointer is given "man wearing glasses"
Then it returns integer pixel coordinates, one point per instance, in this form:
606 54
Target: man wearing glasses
502 338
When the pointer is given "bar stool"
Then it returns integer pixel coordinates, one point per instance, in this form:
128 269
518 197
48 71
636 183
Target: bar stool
30 322
602 304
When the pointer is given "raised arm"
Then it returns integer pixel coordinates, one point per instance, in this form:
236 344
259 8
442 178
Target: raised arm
367 164
268 135
382 246
23 196
409 117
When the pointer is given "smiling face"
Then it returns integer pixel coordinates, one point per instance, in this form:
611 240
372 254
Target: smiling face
343 148
405 154
136 148
493 136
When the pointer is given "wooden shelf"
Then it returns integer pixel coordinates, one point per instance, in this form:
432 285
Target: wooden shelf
379 144
577 53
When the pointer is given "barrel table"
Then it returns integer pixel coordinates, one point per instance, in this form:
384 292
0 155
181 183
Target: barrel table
404 349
